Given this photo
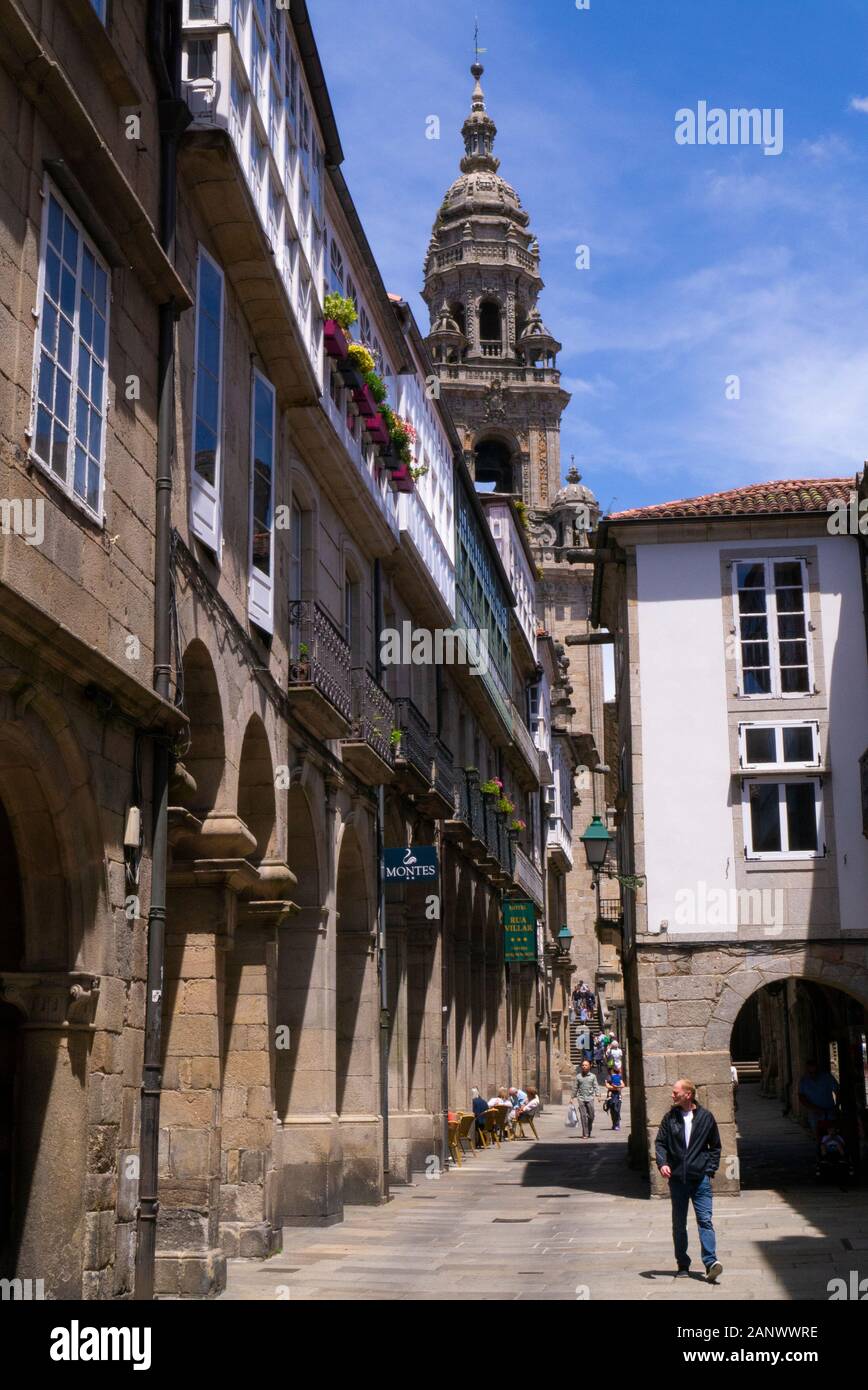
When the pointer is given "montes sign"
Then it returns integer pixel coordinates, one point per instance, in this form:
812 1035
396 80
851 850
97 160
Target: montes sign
415 865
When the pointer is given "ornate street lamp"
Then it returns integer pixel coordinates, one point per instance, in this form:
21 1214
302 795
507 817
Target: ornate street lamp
596 841
565 937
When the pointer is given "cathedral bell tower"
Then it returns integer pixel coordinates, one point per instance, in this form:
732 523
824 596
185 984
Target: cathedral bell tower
496 360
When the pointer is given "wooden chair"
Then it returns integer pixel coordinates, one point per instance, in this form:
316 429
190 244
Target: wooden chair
503 1131
521 1121
465 1127
454 1147
488 1132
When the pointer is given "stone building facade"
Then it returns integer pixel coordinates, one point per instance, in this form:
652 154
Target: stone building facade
315 1029
742 695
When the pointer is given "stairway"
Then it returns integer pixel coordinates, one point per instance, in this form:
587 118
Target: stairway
594 1024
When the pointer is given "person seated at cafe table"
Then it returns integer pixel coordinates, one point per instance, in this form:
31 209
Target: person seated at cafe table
528 1110
517 1097
502 1098
479 1106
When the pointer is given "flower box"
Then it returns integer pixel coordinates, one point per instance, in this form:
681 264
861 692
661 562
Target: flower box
335 339
365 401
401 480
376 429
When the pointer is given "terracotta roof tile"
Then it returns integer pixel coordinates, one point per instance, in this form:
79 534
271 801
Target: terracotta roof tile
759 499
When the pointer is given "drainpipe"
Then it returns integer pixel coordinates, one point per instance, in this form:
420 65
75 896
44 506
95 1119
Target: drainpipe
164 50
381 909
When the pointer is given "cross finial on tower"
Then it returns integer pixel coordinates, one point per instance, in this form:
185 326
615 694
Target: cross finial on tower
477 68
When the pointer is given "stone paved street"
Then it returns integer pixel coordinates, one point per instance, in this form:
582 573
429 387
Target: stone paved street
565 1218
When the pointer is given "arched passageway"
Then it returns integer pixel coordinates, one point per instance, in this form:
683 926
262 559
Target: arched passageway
780 1031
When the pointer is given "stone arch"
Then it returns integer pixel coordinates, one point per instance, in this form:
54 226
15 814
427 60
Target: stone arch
491 319
497 460
257 806
830 966
205 758
54 827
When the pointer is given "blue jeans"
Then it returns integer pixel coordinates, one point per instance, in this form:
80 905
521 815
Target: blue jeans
699 1193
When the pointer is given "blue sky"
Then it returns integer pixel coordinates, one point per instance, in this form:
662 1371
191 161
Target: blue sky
707 262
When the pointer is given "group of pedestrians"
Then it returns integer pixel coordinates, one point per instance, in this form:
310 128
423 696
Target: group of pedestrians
582 1003
583 1108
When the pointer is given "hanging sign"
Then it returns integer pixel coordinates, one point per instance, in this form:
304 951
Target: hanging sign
415 865
519 926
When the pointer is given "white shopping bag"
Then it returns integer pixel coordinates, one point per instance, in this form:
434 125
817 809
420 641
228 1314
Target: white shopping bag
572 1116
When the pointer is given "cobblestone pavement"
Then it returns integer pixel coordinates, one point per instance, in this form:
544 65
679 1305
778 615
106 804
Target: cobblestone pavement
565 1218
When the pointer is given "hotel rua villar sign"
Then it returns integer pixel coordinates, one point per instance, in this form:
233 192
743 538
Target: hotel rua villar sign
519 926
417 864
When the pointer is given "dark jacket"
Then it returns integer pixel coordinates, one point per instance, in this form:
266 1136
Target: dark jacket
703 1156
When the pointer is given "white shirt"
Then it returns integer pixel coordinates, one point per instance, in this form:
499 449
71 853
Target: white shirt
688 1126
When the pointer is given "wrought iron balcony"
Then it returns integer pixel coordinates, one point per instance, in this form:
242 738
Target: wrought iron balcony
611 910
440 799
319 671
369 749
413 751
528 878
467 822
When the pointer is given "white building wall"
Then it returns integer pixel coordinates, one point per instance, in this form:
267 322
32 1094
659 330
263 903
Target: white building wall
685 741
847 680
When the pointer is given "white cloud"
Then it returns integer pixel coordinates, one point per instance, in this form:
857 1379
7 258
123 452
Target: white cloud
859 104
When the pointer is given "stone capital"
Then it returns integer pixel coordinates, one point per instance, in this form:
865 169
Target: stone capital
52 1000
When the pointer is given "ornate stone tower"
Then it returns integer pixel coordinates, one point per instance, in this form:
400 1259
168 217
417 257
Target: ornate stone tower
495 357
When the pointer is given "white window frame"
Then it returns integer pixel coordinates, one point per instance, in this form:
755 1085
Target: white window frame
67 484
779 725
768 562
194 21
206 501
781 782
260 596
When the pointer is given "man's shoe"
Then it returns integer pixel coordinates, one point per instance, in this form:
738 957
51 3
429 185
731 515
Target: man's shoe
682 1273
713 1272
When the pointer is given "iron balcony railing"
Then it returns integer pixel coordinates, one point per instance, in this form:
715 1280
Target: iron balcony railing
319 656
373 715
469 802
611 910
443 771
415 745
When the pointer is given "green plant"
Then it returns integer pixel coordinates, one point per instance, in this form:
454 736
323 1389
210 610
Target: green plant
375 386
303 651
505 805
395 737
417 473
539 572
521 508
361 358
341 309
518 825
492 787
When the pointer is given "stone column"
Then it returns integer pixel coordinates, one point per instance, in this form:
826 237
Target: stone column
58 1239
424 1036
308 1150
201 919
460 1095
396 979
248 1223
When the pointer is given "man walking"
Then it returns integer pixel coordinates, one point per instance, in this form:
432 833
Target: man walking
687 1150
587 1090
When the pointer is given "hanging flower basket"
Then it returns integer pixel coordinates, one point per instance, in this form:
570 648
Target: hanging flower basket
335 340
